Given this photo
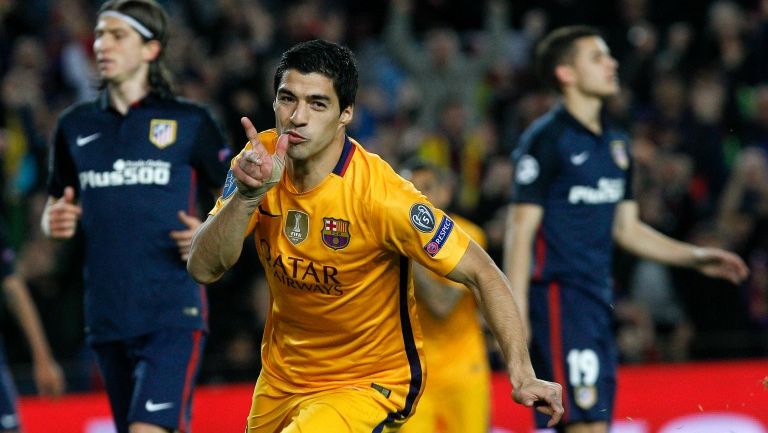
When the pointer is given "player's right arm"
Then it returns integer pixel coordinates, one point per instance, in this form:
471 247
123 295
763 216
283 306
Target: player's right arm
522 222
59 219
536 166
218 242
61 212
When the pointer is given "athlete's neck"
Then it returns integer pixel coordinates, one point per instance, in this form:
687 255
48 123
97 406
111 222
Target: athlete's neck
127 93
306 174
586 109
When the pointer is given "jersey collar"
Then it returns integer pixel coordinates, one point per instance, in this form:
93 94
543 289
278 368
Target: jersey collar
103 100
345 158
568 117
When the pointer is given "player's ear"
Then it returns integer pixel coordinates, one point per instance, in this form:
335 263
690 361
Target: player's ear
565 74
346 115
151 50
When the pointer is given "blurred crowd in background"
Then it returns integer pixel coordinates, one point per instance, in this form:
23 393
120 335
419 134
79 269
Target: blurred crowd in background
450 81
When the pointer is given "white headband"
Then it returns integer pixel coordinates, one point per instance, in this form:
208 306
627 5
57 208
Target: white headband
139 27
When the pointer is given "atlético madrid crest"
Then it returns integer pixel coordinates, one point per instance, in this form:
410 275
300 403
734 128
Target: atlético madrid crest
619 153
162 132
335 233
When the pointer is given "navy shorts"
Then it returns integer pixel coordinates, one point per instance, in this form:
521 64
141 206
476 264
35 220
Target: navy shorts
9 415
150 378
573 344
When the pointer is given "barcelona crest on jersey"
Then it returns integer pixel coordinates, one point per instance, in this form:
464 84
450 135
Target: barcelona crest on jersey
619 153
335 233
162 132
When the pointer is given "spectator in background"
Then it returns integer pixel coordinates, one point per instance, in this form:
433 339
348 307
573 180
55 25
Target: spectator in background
441 70
455 145
77 68
456 397
128 165
744 218
757 120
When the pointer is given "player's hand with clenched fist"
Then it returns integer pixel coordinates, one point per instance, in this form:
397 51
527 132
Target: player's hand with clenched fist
60 215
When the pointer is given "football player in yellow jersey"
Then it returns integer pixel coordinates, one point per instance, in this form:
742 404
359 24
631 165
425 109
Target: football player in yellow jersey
456 397
336 230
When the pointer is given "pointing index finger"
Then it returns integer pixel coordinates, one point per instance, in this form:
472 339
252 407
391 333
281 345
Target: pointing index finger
250 130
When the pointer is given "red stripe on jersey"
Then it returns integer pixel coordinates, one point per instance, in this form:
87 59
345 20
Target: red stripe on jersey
192 199
556 342
345 158
541 254
204 304
189 378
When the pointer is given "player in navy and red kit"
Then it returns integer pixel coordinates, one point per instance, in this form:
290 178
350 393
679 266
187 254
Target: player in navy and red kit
129 166
572 201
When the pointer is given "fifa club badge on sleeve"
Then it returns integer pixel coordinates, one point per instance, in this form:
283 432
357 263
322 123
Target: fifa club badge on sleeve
619 153
335 233
162 132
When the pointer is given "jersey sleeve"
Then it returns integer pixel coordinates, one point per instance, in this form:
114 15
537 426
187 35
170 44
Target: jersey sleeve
61 166
210 152
629 190
409 224
536 164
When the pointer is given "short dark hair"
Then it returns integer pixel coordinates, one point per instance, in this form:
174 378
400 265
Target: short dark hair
557 48
152 16
327 58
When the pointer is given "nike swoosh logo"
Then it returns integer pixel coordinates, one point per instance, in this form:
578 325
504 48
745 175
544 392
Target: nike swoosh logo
265 212
82 141
154 407
579 158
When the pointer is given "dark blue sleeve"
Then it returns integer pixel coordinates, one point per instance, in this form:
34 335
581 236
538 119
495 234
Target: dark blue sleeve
61 166
211 154
536 163
629 190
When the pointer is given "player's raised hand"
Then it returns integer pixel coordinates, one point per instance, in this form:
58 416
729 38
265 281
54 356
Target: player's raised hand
184 237
714 262
546 397
60 215
256 171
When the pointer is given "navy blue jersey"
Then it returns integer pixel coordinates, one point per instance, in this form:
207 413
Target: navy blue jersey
133 173
578 178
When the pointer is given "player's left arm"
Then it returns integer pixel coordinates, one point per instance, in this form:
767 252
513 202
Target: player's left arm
209 157
635 236
494 296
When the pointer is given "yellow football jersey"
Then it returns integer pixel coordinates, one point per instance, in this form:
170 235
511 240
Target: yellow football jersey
460 332
338 261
